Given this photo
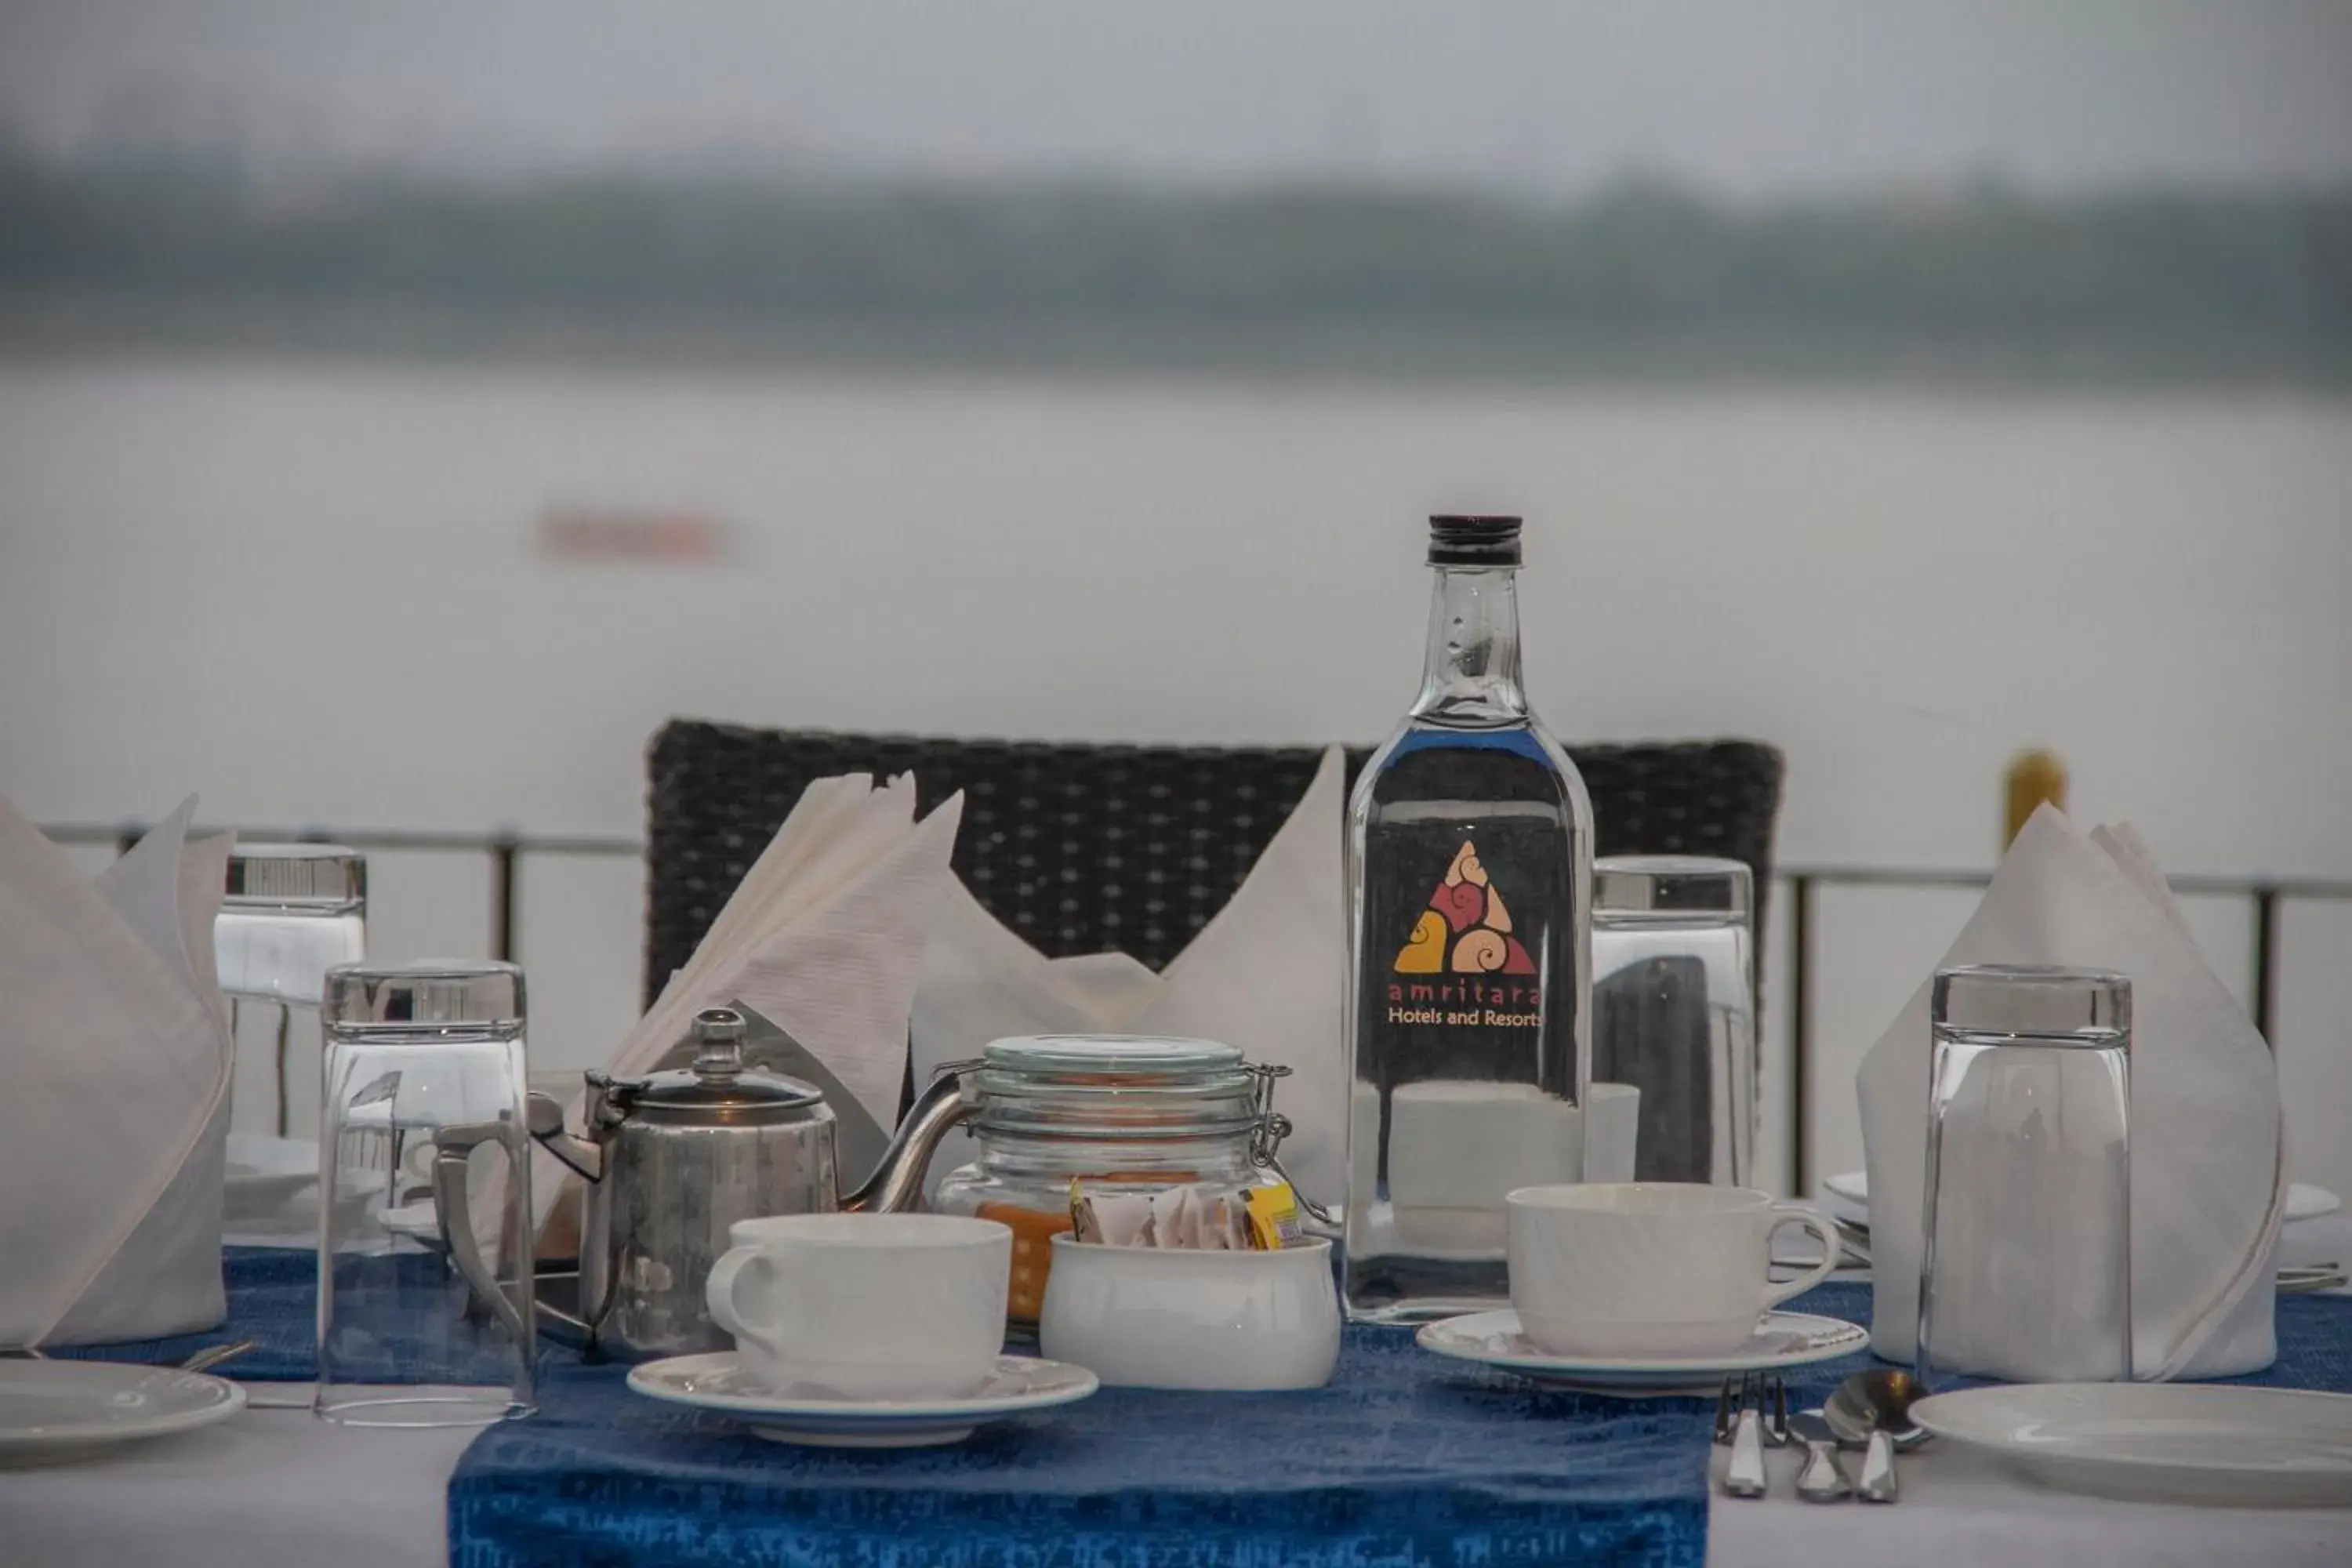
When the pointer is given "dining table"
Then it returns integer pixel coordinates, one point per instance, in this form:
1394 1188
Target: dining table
274 1487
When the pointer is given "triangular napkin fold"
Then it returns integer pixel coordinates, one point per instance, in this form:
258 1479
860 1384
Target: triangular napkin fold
1264 974
823 939
116 1048
2208 1178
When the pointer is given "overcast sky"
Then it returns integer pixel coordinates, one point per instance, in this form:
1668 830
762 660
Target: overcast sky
1748 99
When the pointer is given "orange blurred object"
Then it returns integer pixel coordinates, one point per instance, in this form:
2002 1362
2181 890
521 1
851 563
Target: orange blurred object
2034 777
668 538
1032 1255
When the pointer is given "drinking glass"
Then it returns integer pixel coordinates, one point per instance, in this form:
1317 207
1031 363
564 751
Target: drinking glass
2026 1261
424 1062
1674 1009
292 911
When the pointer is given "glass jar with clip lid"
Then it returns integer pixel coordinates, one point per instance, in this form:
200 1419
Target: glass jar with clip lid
1118 1114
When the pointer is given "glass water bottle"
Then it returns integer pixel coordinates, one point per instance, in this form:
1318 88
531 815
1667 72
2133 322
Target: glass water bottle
1469 873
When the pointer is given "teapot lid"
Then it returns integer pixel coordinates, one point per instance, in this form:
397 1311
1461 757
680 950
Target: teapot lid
716 1088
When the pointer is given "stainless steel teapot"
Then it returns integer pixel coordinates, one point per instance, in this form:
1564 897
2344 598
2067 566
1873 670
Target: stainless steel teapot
675 1158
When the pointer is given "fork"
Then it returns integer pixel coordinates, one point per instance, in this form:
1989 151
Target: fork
1767 1392
1752 1413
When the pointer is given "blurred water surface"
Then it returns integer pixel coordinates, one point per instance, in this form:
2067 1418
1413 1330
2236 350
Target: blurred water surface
314 591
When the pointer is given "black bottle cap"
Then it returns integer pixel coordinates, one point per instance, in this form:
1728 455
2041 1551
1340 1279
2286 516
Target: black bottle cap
1459 541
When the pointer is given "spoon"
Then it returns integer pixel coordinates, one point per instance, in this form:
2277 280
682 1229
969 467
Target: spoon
213 1355
1876 1398
210 1356
2303 1280
1872 1410
1820 1480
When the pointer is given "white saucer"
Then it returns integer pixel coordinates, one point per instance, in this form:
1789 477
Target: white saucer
262 1173
1782 1340
2304 1201
2166 1442
52 1411
715 1381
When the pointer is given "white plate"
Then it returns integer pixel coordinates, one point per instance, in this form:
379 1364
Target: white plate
52 1411
418 1221
2162 1442
1782 1340
715 1381
263 1172
2303 1200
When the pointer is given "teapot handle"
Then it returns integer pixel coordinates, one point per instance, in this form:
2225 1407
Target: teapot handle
454 1147
547 1126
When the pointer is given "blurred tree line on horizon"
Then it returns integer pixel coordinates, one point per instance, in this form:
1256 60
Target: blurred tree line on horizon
1644 278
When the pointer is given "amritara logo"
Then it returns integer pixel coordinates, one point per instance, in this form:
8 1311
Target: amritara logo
1465 933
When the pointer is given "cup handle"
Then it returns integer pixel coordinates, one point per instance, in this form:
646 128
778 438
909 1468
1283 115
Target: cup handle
1797 1213
719 1292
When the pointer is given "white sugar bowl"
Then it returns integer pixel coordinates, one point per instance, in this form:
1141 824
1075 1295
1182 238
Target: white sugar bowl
1141 1317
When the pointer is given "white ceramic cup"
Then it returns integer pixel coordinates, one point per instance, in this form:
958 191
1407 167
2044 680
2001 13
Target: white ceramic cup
900 1306
1651 1269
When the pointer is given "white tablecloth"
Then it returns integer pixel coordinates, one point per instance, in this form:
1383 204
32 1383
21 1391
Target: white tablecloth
1959 1510
265 1489
279 1489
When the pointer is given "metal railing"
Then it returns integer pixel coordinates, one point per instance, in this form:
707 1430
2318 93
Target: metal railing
505 847
2264 894
507 850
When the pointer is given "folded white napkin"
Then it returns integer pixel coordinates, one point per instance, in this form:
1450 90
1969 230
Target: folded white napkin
114 1043
2208 1177
823 938
1264 974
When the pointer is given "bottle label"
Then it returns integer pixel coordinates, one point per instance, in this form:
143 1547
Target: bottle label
1464 964
1467 968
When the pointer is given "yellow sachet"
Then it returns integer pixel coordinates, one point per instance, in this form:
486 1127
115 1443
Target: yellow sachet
1273 1216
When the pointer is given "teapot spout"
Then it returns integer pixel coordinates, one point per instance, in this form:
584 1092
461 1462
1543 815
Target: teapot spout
896 1185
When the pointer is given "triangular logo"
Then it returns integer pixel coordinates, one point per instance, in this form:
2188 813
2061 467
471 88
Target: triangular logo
1465 929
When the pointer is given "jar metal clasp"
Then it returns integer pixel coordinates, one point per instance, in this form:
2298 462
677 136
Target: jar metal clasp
1273 1127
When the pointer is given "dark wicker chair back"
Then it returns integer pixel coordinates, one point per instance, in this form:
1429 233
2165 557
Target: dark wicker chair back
1084 849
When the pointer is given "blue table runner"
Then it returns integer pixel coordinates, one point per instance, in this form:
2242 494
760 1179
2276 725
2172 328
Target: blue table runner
1405 1459
2315 1346
273 1299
